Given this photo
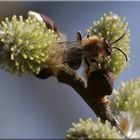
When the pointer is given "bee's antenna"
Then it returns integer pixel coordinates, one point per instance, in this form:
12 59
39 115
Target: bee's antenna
121 52
119 48
118 38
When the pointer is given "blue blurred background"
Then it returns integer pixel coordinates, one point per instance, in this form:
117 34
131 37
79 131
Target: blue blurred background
34 108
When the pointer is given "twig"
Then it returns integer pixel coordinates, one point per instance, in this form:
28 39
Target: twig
100 84
92 94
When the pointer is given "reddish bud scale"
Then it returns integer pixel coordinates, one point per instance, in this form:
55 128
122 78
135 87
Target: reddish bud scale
49 23
100 84
45 73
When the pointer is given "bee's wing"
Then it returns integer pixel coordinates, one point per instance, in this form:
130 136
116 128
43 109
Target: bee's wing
65 52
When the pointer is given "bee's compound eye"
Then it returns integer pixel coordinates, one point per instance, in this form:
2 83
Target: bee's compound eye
108 51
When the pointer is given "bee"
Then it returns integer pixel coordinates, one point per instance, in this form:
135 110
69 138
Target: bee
91 52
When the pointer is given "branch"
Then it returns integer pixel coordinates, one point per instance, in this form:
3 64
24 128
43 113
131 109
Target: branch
100 84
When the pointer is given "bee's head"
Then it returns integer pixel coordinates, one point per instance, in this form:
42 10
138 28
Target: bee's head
108 46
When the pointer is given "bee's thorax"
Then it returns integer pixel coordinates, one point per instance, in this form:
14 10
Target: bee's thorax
94 46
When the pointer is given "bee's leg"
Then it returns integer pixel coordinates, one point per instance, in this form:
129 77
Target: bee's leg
92 64
105 61
88 70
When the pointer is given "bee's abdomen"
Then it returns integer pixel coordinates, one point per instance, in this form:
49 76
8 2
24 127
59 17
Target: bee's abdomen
74 57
